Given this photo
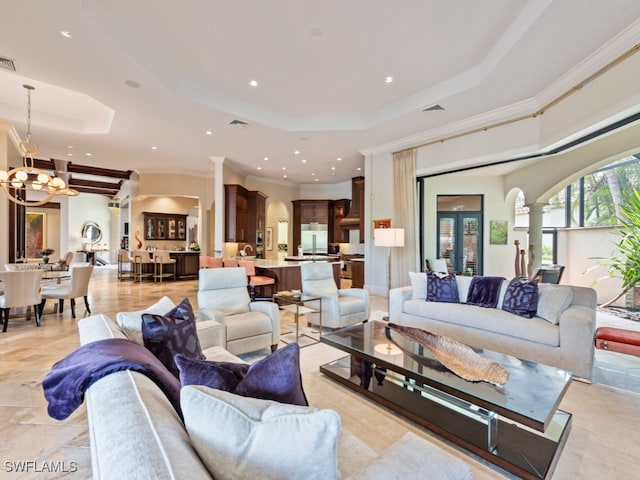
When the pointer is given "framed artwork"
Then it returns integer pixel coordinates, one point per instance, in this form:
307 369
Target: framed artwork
269 239
383 223
498 232
36 233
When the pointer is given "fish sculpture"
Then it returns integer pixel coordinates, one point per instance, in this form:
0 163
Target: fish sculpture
456 356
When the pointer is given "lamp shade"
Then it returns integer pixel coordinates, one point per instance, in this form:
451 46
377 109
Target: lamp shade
389 237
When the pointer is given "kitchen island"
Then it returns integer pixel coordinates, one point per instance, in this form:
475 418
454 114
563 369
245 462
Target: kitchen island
287 273
187 263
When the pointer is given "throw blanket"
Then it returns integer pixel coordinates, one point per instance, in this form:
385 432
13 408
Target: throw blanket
65 384
484 291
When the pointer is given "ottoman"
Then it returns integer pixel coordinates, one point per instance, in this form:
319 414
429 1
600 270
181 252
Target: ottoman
618 340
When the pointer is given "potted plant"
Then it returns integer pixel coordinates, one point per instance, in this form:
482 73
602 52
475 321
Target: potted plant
627 264
45 253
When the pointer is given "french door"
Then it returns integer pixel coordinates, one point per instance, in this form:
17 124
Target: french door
460 241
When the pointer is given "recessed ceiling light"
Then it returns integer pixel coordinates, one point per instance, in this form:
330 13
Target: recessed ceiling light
359 168
339 159
313 174
388 79
317 179
154 148
69 154
65 33
132 83
69 146
284 168
259 168
297 152
304 160
253 83
284 176
266 158
333 168
209 132
89 154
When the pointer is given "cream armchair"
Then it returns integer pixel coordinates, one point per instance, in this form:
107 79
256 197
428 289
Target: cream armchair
248 326
340 307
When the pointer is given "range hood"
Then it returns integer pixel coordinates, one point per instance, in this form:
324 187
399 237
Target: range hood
352 220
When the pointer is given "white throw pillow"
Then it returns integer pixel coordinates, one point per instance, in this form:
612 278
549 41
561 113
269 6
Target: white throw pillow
419 284
131 322
552 301
247 438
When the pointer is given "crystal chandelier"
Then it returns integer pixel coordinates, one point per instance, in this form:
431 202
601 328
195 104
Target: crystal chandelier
18 182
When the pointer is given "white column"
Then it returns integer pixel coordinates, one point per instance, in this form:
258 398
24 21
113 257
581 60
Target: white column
218 205
535 232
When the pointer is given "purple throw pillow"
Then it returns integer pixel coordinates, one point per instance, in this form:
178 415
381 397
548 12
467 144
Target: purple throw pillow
171 334
442 289
521 298
484 291
276 377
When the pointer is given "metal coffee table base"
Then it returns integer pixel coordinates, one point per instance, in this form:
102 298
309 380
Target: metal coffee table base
519 449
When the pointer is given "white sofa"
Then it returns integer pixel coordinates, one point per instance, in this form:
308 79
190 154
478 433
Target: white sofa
135 433
567 345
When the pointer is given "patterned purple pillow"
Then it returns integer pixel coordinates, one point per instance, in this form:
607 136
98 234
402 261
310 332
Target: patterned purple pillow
276 377
521 298
172 333
442 289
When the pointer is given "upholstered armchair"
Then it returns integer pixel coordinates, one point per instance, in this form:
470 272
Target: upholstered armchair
340 307
249 326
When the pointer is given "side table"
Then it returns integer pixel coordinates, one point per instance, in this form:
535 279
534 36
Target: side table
296 303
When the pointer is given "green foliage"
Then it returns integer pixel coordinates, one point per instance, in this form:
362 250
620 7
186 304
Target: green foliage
627 265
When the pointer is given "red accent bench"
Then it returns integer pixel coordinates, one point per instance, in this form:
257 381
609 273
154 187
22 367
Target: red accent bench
618 340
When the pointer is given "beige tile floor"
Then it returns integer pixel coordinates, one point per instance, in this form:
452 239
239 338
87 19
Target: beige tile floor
602 443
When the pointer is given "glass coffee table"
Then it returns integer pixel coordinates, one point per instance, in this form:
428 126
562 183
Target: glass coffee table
516 426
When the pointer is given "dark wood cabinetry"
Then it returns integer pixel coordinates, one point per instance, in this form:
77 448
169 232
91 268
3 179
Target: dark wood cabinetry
310 212
245 215
187 263
340 210
256 216
164 226
236 200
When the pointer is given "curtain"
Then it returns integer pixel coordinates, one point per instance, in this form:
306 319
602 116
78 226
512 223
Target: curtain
405 259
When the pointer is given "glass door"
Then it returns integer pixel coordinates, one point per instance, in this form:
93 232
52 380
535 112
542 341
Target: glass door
459 241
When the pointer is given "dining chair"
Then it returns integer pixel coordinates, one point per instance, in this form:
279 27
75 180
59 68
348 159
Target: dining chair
162 259
78 286
142 258
549 274
21 289
257 282
210 262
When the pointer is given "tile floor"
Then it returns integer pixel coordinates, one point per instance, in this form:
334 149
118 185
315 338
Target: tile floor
602 444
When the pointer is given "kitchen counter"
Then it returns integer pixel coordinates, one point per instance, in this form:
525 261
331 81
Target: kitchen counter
287 274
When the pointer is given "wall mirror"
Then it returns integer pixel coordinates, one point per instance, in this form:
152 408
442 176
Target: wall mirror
91 233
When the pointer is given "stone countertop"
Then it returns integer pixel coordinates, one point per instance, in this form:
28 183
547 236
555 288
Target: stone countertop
285 264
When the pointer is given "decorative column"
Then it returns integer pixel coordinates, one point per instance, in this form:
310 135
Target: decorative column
535 232
218 205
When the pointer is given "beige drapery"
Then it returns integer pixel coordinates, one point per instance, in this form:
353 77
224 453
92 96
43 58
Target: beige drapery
405 259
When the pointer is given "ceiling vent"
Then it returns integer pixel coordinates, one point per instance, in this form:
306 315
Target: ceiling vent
7 64
237 122
433 108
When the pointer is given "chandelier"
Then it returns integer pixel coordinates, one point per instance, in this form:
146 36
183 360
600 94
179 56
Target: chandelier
16 183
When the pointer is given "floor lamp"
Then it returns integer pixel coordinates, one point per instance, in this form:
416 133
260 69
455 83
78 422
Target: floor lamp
390 238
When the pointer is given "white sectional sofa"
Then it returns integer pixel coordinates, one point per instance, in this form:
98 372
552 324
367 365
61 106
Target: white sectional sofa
567 344
135 433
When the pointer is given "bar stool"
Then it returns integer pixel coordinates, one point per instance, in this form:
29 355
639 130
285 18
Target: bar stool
162 258
140 259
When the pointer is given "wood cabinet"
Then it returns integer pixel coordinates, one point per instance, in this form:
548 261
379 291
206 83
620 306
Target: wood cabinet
187 264
311 211
164 226
357 273
236 201
245 214
256 217
340 210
